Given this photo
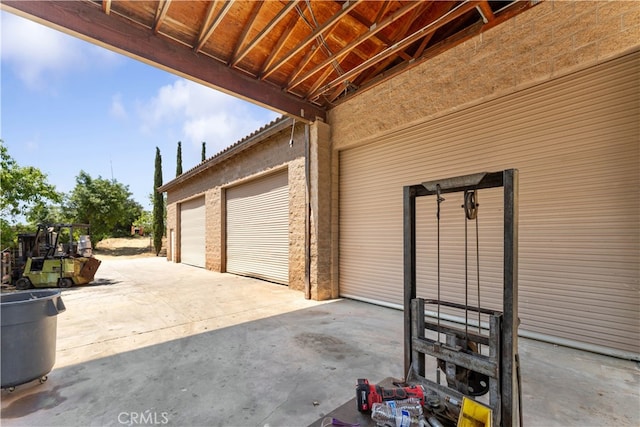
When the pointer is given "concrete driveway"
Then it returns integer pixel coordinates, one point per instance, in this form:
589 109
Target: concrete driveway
157 343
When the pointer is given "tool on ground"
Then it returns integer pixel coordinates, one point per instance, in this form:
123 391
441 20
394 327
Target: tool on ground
367 394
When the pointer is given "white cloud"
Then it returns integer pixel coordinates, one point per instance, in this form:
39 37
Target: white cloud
117 109
36 53
203 114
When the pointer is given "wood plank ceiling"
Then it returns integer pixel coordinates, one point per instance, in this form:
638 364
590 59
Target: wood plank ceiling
300 57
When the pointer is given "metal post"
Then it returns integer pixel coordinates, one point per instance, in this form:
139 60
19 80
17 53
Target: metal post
510 296
409 206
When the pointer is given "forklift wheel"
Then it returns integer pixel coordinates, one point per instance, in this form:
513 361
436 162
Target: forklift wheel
65 282
23 283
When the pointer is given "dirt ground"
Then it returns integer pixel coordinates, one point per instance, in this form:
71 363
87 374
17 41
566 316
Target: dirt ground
126 247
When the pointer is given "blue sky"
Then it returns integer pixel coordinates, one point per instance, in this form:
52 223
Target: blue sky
68 105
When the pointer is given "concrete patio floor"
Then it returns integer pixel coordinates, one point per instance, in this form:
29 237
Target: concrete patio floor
152 342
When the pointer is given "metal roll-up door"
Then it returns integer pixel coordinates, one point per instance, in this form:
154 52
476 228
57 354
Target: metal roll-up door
575 141
258 228
192 232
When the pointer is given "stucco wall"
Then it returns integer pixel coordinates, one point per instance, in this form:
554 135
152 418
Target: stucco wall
549 40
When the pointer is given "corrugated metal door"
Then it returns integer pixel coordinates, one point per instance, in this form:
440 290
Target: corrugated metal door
575 141
258 228
192 232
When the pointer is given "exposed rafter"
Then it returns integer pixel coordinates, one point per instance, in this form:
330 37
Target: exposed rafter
210 26
486 12
346 8
352 45
161 13
458 11
275 21
284 38
106 6
251 22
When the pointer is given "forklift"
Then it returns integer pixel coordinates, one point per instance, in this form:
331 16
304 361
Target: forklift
44 261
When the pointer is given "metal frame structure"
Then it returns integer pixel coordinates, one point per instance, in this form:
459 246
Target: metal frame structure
501 363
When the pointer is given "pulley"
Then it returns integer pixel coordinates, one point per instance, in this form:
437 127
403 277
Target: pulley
470 204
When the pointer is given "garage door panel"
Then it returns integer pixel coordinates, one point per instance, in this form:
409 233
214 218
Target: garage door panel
192 232
258 228
576 142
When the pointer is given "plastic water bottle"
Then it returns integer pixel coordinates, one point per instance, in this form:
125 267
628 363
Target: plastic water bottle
401 413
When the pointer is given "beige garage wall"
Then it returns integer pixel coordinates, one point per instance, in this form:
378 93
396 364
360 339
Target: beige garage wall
575 141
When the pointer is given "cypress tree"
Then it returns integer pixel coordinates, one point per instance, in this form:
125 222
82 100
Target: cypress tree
179 160
158 205
204 151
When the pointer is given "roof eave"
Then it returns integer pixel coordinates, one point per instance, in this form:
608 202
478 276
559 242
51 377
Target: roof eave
257 137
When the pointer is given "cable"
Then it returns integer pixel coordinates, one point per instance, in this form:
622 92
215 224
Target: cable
293 126
439 200
466 271
478 276
519 380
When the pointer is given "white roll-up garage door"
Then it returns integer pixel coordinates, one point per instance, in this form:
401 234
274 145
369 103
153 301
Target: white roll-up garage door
575 141
258 228
192 232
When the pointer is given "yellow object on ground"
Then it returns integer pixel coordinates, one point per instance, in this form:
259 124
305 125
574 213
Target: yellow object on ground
474 414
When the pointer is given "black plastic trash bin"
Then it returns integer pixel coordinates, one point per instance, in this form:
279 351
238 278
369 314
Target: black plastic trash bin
29 327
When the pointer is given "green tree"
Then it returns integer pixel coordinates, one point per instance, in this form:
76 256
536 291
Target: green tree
179 160
158 205
204 151
48 214
145 221
9 232
22 187
104 204
131 212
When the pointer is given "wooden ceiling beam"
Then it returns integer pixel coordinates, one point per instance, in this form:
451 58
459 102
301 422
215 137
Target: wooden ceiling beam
455 13
365 76
383 9
353 44
401 31
372 72
347 7
106 6
161 13
87 21
368 24
269 27
436 9
288 32
246 27
485 10
311 52
381 66
433 9
209 26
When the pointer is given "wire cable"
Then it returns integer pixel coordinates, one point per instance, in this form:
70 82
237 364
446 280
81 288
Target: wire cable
478 276
466 271
439 200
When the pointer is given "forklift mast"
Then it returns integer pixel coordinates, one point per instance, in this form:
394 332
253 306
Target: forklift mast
47 240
